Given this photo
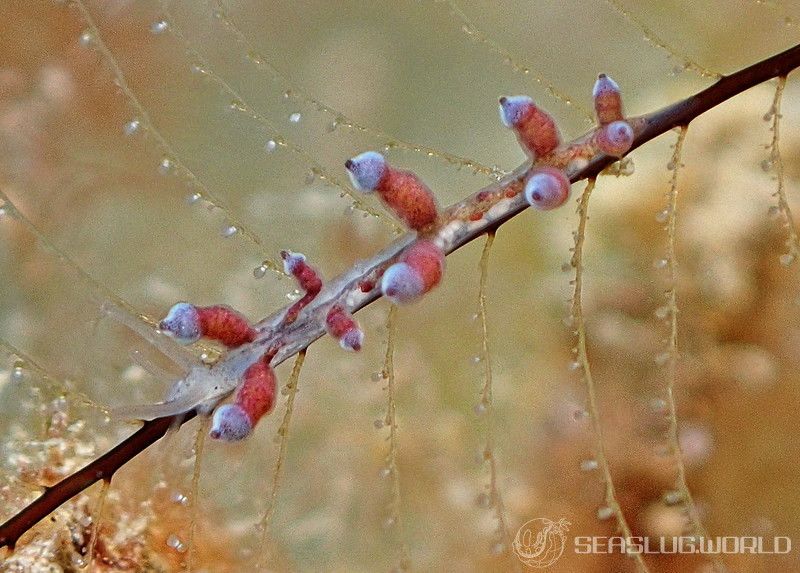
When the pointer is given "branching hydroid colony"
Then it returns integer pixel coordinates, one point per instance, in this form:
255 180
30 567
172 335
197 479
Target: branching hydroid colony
403 272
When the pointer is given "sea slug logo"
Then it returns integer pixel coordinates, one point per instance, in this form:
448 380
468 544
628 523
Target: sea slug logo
540 542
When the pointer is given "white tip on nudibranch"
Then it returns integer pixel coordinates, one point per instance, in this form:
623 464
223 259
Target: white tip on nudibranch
615 138
291 261
547 189
366 170
352 340
604 84
230 424
513 109
402 284
182 323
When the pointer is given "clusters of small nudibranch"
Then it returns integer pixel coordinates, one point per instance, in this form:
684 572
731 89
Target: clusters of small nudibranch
547 186
419 268
255 396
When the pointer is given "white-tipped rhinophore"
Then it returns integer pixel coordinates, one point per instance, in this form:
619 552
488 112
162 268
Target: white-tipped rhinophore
366 170
513 109
604 85
615 138
402 284
182 323
352 340
230 423
547 188
291 261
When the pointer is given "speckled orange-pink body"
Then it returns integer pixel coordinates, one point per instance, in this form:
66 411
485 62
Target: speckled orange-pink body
254 398
225 325
538 132
408 197
256 395
428 260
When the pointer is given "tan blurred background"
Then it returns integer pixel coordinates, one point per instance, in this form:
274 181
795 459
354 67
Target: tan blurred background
105 222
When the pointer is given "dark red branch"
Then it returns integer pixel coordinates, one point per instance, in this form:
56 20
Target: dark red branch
652 125
103 468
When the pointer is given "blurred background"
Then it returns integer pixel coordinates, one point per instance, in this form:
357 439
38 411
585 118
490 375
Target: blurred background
155 152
